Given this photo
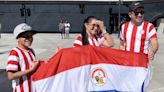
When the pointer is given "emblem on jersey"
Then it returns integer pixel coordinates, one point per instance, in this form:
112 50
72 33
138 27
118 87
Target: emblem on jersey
142 31
98 76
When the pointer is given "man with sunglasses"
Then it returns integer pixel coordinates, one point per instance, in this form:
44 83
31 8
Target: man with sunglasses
21 60
137 35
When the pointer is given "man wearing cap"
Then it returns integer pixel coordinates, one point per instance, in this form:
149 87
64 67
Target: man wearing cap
137 35
21 60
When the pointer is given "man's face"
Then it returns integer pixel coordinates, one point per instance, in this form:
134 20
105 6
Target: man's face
137 15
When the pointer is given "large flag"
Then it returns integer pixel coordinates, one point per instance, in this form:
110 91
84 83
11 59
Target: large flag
91 69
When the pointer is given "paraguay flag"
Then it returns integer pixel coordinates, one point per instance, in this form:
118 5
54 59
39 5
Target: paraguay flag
91 69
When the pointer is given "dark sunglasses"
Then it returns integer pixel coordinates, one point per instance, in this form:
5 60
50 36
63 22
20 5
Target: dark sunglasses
94 25
137 12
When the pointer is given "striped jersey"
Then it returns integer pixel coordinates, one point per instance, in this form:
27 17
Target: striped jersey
92 41
137 38
20 60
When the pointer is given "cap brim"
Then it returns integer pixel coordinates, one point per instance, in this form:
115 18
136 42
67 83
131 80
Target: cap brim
31 31
34 31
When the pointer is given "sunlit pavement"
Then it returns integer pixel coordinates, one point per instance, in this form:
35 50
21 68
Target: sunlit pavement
45 45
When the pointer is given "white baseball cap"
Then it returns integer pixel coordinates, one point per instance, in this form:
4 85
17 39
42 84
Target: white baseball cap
21 28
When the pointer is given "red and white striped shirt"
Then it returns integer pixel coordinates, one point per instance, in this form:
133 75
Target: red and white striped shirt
20 60
137 38
92 41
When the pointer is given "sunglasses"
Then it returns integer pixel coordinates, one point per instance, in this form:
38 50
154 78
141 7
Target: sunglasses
25 36
94 25
137 12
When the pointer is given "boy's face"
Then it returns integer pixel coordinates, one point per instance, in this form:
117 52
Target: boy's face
25 40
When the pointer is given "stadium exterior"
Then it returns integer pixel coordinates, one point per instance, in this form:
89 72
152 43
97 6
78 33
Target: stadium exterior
44 16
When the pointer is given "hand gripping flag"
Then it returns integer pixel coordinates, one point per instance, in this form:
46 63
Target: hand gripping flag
91 69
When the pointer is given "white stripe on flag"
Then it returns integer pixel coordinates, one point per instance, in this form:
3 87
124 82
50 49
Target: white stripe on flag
119 78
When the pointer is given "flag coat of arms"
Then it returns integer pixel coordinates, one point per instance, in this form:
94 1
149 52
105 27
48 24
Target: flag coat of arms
91 69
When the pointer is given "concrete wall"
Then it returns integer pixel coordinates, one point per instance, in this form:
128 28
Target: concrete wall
45 17
152 10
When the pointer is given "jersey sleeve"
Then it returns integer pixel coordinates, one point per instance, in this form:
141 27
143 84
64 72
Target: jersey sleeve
78 42
13 62
152 32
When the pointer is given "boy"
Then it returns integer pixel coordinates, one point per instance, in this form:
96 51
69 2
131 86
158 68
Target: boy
21 60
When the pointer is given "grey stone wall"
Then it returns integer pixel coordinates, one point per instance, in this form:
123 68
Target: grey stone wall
45 17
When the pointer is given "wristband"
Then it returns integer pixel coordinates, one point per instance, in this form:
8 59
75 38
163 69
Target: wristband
104 31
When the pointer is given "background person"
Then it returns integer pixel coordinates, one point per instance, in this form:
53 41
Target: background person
62 29
67 28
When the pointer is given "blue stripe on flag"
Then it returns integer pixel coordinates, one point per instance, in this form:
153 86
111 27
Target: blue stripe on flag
106 91
142 90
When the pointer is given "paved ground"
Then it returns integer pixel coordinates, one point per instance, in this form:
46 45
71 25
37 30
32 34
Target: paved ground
46 44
